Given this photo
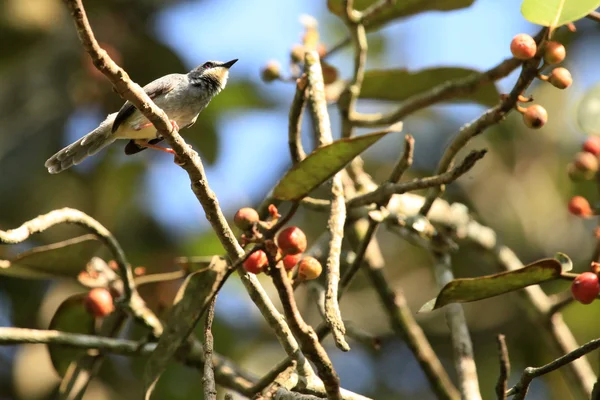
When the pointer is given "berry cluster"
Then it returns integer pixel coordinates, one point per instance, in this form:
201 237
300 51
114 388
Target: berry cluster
524 47
287 250
584 167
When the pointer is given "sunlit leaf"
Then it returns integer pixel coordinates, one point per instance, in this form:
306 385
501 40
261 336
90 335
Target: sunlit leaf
322 164
555 13
57 260
399 84
398 9
191 301
472 289
588 112
72 317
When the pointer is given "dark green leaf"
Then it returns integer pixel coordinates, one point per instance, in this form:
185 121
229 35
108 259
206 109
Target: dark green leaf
322 164
555 13
472 289
191 301
400 9
399 85
58 260
72 317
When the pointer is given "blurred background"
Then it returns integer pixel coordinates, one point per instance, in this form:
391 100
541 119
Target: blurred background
50 95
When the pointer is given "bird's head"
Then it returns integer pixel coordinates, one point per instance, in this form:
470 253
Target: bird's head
212 75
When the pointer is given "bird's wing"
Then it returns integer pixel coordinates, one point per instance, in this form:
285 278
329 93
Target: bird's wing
153 90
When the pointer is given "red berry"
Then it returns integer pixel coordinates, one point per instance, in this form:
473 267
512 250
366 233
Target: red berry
523 47
290 261
560 78
592 145
554 52
585 287
99 302
292 240
245 218
256 262
309 268
535 116
580 207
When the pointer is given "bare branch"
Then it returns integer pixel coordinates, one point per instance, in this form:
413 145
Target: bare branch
337 215
295 122
389 189
461 340
208 381
501 386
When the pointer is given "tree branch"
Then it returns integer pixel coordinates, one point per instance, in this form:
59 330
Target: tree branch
337 215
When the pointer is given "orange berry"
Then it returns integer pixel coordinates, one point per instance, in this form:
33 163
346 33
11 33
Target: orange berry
309 268
99 302
554 52
580 207
523 46
560 78
535 116
245 217
592 145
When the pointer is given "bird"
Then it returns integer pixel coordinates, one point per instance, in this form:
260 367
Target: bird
181 96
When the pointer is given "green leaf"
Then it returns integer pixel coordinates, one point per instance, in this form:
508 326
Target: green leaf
72 317
322 164
554 13
399 84
472 289
191 301
400 9
588 111
58 260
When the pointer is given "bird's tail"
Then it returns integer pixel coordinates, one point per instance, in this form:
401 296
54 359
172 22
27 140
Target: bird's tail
76 152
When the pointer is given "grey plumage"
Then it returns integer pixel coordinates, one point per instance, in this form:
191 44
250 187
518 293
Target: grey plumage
181 96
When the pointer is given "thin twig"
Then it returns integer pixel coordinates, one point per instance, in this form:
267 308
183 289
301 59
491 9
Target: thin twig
306 335
461 340
358 36
594 16
226 373
72 216
501 385
520 389
386 190
442 92
295 123
208 381
337 215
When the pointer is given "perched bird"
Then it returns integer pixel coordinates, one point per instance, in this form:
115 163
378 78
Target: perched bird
181 96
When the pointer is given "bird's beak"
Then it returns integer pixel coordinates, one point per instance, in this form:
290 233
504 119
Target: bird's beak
228 64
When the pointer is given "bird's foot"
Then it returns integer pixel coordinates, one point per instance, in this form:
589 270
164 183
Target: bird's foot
155 147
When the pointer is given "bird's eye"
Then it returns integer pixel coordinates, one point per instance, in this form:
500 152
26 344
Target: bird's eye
208 65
